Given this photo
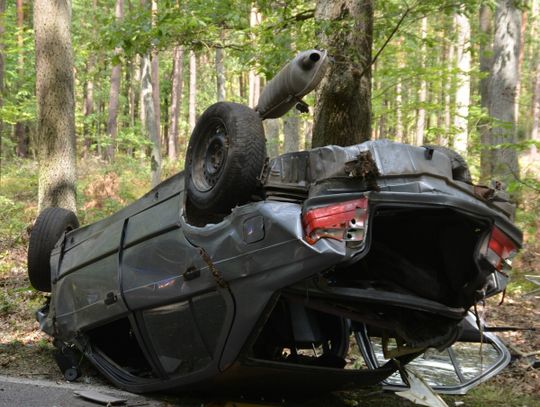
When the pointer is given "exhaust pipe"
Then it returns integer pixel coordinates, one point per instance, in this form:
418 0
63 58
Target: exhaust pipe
292 83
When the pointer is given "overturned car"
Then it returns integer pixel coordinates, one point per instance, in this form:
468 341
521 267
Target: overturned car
246 275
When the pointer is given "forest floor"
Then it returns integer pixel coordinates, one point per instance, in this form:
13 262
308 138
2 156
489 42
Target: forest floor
26 352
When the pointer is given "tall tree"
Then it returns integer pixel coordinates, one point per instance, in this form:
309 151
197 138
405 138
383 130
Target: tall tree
149 119
399 98
343 109
448 106
176 100
155 73
88 90
485 54
254 79
192 108
502 91
521 57
422 92
220 69
463 90
291 132
535 133
2 69
55 103
114 94
534 51
271 130
148 115
20 127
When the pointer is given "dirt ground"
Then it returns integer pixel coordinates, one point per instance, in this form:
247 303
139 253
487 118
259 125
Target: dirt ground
26 352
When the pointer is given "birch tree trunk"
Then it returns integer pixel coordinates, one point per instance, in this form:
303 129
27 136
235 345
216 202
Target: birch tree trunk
114 93
55 99
176 100
150 121
503 164
422 93
463 91
343 109
192 110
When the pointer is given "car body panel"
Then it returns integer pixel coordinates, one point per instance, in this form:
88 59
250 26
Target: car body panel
195 301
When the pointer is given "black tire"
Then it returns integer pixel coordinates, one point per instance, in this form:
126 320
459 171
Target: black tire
49 227
460 169
225 157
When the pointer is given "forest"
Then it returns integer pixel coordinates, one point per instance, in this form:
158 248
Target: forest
139 73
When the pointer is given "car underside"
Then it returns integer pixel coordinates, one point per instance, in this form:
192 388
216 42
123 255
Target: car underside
324 269
271 296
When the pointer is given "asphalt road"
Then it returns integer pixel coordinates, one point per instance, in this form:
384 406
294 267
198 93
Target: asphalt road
20 392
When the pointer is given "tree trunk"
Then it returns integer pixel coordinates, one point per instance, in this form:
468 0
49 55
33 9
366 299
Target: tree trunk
291 133
192 118
88 103
150 121
133 91
114 93
422 93
271 130
155 75
88 94
55 100
485 54
308 134
448 108
463 91
254 79
220 70
20 128
176 100
503 164
382 120
2 68
399 100
343 109
535 135
520 64
534 51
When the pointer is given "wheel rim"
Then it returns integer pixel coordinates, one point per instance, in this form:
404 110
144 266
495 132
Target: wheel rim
210 156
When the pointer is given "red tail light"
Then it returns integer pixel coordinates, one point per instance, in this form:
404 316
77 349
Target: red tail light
500 248
345 221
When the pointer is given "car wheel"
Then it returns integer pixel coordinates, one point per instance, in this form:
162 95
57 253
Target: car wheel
49 227
225 157
460 169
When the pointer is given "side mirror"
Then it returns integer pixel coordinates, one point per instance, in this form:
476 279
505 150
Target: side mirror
292 83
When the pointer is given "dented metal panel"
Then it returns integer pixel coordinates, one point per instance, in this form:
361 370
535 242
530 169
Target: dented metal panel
212 305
